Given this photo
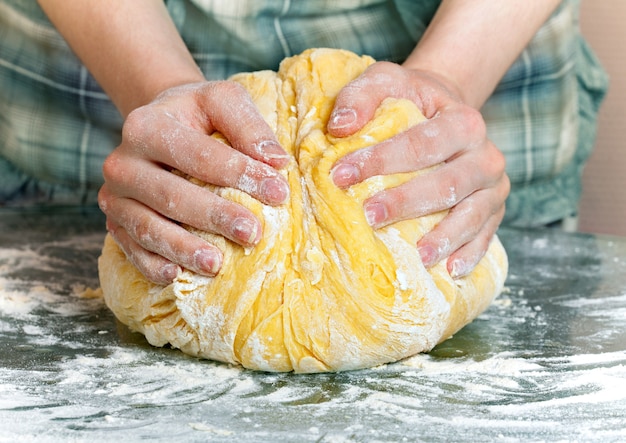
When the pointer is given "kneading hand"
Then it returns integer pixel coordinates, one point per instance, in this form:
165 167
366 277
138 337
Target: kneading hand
145 202
470 180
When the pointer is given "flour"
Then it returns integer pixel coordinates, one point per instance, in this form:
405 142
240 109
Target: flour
502 364
503 393
540 243
17 303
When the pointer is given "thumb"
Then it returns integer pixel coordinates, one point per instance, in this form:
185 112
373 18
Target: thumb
356 103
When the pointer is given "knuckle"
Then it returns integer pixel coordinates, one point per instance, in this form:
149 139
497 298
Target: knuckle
448 190
483 238
506 185
104 199
371 161
421 151
144 230
385 69
151 274
226 88
440 239
112 166
476 219
474 125
414 148
397 202
497 162
134 125
471 218
499 216
218 214
147 265
379 74
171 200
500 161
233 221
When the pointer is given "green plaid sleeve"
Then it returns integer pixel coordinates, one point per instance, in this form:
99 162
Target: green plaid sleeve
57 126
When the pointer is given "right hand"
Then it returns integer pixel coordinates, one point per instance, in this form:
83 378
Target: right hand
145 203
471 183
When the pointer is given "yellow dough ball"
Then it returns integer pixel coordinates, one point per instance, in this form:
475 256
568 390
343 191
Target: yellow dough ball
322 291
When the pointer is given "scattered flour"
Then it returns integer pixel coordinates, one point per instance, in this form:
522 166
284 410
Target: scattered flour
92 384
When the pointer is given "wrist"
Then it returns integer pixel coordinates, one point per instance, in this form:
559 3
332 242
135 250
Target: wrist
453 78
472 43
143 88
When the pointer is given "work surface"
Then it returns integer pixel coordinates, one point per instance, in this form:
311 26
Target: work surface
546 362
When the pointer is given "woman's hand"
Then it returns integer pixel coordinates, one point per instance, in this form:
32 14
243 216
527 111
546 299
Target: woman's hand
145 202
470 181
170 112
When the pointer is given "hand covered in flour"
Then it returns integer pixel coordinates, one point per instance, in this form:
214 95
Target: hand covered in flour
470 181
145 202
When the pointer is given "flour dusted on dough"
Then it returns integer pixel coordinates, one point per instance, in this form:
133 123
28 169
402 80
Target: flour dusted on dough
322 291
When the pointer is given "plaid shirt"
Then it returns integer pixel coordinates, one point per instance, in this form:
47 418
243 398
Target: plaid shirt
57 126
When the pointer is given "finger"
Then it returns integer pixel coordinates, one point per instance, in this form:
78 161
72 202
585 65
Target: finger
178 199
145 231
465 231
464 260
209 160
157 269
461 226
240 121
429 143
434 191
356 103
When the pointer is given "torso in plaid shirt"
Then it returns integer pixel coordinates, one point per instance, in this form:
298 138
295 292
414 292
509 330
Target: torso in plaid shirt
57 126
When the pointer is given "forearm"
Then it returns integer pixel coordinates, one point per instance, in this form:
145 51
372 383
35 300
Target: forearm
132 48
472 43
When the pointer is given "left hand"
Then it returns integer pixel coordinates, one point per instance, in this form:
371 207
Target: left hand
471 181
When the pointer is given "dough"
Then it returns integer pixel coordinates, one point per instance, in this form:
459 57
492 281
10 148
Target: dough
322 291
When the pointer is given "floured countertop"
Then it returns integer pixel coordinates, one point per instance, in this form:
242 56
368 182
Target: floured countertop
546 362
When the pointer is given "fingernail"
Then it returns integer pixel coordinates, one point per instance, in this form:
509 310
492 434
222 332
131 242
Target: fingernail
271 150
428 255
274 190
245 230
375 213
345 174
341 118
459 268
208 261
